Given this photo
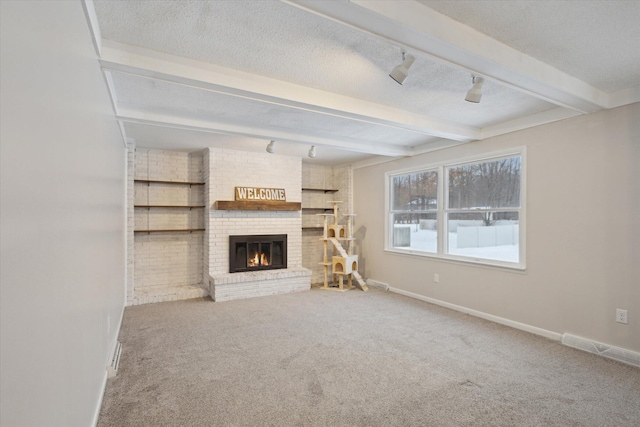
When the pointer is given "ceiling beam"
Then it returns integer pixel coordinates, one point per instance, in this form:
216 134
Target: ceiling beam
541 118
624 97
416 27
130 115
94 27
157 65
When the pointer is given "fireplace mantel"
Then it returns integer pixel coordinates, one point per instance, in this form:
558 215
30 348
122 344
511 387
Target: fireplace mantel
257 205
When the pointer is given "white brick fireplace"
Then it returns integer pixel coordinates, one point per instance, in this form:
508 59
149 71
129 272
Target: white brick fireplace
224 170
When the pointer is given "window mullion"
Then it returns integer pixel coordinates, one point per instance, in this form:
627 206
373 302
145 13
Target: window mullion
483 210
442 224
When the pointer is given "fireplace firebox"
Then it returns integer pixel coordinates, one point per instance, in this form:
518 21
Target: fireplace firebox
257 252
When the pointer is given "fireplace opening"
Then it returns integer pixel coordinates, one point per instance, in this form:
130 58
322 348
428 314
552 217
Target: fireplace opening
257 252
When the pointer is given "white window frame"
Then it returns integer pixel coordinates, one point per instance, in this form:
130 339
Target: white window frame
443 196
391 212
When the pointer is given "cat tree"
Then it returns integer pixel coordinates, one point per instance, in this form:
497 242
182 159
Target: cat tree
346 264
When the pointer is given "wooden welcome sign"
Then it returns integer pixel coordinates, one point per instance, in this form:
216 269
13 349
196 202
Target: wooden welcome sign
258 199
254 193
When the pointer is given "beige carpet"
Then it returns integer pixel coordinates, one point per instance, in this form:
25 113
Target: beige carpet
321 358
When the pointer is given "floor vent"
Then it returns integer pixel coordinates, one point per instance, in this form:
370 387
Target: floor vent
112 369
375 284
604 350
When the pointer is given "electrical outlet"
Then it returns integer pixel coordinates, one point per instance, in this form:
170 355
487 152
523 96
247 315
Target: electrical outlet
621 316
436 278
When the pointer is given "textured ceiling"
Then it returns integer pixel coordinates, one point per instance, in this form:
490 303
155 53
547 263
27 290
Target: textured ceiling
290 44
315 78
581 38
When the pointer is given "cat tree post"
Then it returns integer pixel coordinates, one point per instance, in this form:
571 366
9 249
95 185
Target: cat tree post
325 241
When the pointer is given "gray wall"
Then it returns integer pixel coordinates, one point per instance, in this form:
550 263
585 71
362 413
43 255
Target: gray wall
583 232
62 218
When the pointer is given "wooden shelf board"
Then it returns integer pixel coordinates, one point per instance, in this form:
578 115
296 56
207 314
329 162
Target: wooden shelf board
257 205
167 206
153 181
313 228
169 231
325 190
317 209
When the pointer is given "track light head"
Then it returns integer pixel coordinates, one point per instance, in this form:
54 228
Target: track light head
271 147
312 152
475 93
400 72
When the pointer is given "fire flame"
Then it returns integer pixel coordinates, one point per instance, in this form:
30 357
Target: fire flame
258 259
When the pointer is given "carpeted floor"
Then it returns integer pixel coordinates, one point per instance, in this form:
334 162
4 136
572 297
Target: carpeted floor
322 358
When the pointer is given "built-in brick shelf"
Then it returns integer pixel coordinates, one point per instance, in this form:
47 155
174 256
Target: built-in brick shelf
168 186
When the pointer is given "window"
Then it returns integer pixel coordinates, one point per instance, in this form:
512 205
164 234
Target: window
468 211
414 208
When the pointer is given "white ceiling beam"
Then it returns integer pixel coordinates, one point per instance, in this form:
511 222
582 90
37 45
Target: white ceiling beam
436 145
147 63
94 27
416 27
541 118
624 97
131 115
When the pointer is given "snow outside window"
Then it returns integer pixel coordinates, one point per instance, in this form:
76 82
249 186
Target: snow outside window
468 211
414 211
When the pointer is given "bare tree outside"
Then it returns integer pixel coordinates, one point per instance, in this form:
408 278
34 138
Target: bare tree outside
415 192
487 185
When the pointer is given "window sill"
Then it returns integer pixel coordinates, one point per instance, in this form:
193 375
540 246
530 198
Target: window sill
491 264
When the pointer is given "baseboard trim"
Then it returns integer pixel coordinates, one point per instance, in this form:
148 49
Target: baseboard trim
496 319
605 350
103 389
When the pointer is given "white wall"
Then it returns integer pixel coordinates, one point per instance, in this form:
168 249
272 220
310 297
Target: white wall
62 218
582 174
